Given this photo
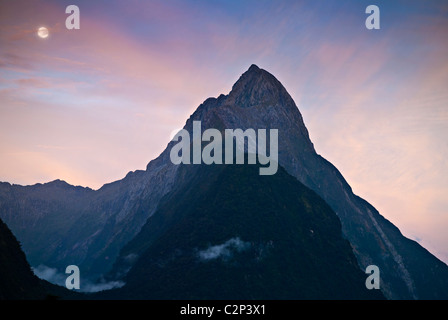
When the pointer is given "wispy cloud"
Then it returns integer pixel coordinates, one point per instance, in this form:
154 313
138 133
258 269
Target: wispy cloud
225 250
54 276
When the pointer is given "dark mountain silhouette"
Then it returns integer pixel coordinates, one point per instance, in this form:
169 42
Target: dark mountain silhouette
17 280
59 224
232 234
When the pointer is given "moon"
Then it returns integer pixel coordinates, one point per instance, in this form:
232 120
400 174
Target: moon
42 32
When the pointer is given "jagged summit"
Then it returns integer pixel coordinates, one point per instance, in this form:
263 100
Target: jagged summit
254 68
257 87
257 100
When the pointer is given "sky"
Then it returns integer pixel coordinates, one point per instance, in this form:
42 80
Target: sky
89 105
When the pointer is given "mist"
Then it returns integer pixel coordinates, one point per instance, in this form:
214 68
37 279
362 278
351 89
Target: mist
56 277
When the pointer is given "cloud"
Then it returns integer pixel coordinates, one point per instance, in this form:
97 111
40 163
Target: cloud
33 82
96 287
54 276
50 274
131 258
225 250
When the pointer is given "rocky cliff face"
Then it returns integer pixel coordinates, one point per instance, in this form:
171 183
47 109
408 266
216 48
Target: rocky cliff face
97 224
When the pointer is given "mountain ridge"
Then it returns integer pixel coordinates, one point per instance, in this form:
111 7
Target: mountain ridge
111 216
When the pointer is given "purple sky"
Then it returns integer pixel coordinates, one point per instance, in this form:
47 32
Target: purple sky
89 105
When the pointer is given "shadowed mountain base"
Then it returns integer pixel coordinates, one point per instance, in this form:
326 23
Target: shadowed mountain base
232 234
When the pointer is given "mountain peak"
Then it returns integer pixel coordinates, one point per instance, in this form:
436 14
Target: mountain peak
256 87
253 68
